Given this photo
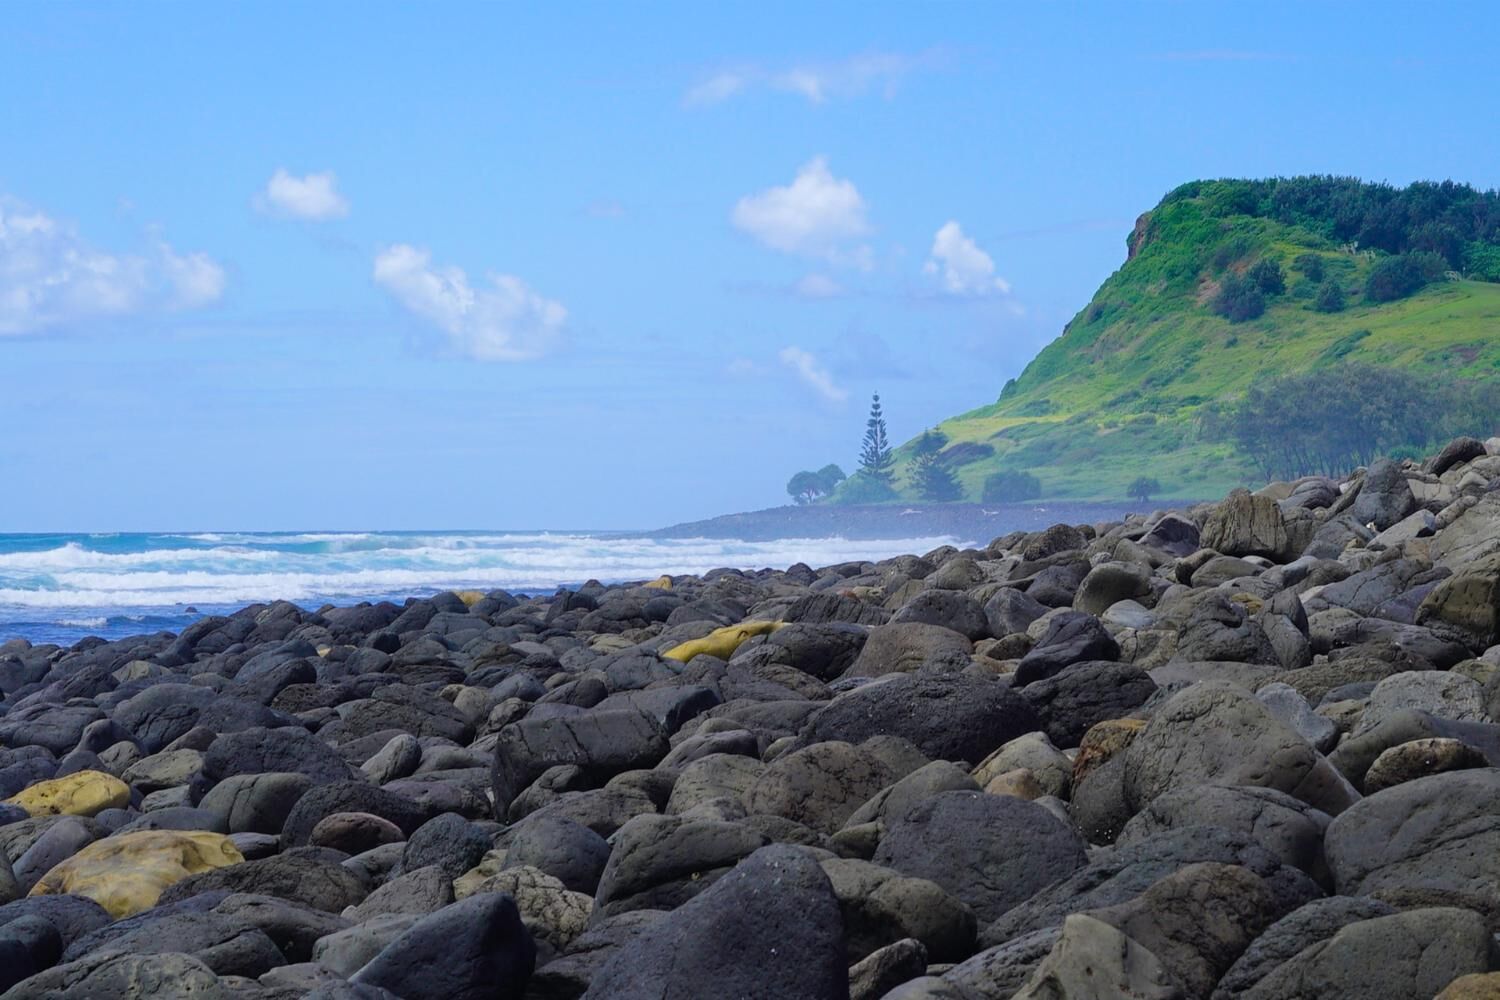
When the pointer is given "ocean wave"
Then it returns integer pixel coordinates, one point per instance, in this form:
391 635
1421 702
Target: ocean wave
75 577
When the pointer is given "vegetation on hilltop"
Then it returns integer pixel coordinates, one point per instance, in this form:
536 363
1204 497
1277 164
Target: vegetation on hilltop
1231 291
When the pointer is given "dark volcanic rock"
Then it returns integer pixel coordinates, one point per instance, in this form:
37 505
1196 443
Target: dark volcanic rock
953 717
731 940
991 851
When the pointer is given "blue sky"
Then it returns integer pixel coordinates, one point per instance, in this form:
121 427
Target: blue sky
271 266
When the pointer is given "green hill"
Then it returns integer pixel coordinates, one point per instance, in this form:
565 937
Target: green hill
1145 380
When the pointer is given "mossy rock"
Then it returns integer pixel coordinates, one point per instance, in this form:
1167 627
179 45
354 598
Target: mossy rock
127 873
721 642
83 793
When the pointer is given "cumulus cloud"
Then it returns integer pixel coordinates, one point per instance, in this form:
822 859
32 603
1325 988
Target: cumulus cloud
817 215
51 278
963 268
312 198
816 82
504 320
809 370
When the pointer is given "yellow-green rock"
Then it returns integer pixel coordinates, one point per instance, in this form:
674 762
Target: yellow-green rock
721 642
470 597
128 873
660 583
82 793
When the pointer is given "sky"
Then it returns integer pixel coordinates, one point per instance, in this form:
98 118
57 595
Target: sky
396 266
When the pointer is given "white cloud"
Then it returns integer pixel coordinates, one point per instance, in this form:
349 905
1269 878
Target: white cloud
51 278
505 321
719 87
818 286
817 82
817 215
313 198
195 278
814 374
965 269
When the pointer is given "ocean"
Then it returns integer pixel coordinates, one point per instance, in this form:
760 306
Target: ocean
63 588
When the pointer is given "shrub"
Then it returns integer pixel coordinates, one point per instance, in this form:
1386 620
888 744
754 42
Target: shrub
1310 265
1011 486
1267 277
1238 299
1142 487
864 488
1403 274
1330 298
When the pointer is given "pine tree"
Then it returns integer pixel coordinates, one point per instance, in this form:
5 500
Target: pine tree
875 459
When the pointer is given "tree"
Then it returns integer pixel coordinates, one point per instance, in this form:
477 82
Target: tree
875 461
1011 486
930 443
829 477
1238 299
805 487
1330 297
1330 420
1142 487
1267 276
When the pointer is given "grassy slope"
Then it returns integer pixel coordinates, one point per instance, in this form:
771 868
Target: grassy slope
1123 391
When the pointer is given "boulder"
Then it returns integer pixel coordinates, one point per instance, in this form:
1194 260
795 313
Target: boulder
294 878
1418 759
475 949
82 793
1009 611
819 786
122 976
1217 733
602 743
731 940
1466 605
990 851
1438 693
660 862
1071 637
1304 927
881 907
948 717
1081 695
907 646
953 610
1438 836
1197 920
1290 829
1403 956
1094 960
1384 496
127 873
1248 524
1122 874
568 851
1109 583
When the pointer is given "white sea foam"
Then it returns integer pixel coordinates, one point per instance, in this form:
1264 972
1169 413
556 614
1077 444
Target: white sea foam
227 568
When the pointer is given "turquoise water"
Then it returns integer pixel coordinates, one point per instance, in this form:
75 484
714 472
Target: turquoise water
61 588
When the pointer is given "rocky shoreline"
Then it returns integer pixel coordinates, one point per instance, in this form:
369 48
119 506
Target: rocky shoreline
896 521
1245 749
